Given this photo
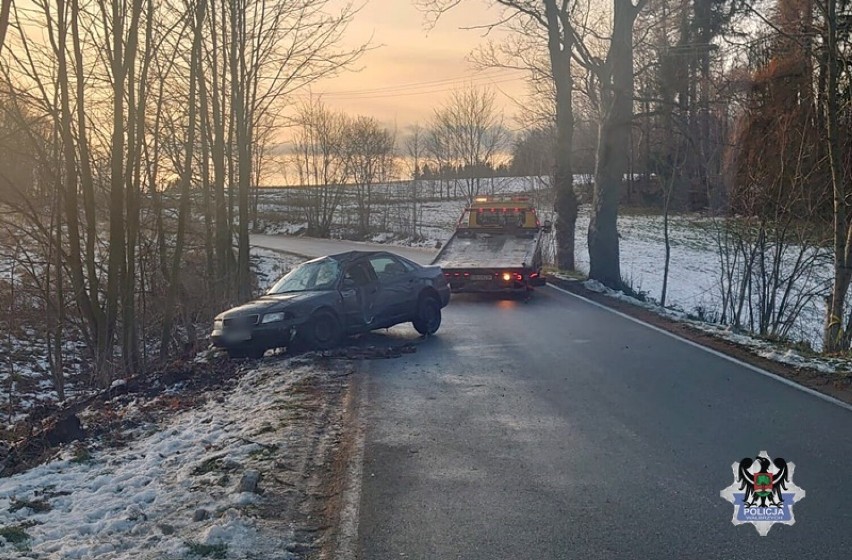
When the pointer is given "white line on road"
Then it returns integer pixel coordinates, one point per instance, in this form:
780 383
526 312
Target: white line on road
722 355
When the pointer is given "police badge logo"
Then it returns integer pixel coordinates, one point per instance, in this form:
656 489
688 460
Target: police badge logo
763 492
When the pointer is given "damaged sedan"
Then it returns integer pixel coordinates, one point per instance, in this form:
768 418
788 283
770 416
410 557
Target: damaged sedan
323 300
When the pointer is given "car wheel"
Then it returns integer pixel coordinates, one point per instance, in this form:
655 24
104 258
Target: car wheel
323 331
428 317
253 352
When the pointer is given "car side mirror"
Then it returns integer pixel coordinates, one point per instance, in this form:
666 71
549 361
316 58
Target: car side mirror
548 226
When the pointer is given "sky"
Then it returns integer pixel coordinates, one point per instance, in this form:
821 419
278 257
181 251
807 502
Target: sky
412 69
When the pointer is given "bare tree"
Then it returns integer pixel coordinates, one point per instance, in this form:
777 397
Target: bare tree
415 151
320 162
196 14
836 337
369 152
118 86
472 129
613 88
438 149
551 25
5 9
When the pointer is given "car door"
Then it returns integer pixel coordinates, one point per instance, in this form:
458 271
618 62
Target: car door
360 293
397 285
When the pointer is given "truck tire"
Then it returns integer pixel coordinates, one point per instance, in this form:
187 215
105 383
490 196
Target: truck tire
428 318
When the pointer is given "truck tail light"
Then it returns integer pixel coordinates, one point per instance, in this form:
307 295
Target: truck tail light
533 275
507 276
519 277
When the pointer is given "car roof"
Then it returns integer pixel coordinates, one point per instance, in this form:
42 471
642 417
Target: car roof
350 256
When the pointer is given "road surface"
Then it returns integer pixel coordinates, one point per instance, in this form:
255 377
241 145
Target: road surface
556 429
312 247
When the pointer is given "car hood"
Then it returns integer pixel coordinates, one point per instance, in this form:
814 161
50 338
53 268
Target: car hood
267 303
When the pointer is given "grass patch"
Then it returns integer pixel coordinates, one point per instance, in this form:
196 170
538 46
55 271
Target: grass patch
801 347
217 463
14 534
265 429
264 452
81 455
38 506
573 274
207 550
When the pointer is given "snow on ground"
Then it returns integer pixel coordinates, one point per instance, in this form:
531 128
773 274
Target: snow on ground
393 212
269 266
694 284
694 277
759 347
145 500
25 377
271 228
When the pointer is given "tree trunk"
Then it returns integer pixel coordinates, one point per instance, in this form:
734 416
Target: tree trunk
133 174
668 245
613 147
833 334
204 123
242 123
224 254
92 315
560 45
5 8
186 179
87 184
116 264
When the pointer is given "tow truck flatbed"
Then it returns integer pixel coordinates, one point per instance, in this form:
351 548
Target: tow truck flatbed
496 248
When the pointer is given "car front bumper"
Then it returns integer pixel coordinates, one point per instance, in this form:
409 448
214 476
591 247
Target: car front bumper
271 335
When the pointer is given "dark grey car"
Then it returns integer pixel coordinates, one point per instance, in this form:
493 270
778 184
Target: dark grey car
321 301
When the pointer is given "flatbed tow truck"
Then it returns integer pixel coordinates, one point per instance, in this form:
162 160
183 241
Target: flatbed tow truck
496 247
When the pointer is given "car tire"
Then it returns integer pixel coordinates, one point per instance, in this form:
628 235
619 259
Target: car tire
428 318
323 331
252 352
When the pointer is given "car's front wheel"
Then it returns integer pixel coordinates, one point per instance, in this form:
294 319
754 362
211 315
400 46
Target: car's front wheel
428 318
323 331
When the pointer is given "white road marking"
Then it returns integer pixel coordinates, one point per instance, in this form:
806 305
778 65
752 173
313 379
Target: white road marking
784 380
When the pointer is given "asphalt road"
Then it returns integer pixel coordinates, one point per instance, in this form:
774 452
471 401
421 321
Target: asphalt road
312 247
556 429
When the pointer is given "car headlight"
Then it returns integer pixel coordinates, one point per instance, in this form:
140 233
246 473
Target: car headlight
218 325
275 317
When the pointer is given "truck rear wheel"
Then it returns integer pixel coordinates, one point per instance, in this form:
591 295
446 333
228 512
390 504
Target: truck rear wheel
428 318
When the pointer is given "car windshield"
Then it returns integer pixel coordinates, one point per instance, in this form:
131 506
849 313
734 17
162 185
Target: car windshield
318 275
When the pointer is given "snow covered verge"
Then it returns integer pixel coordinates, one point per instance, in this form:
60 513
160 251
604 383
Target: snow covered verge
770 350
234 471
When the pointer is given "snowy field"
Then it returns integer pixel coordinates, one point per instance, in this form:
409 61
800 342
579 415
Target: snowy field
694 285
